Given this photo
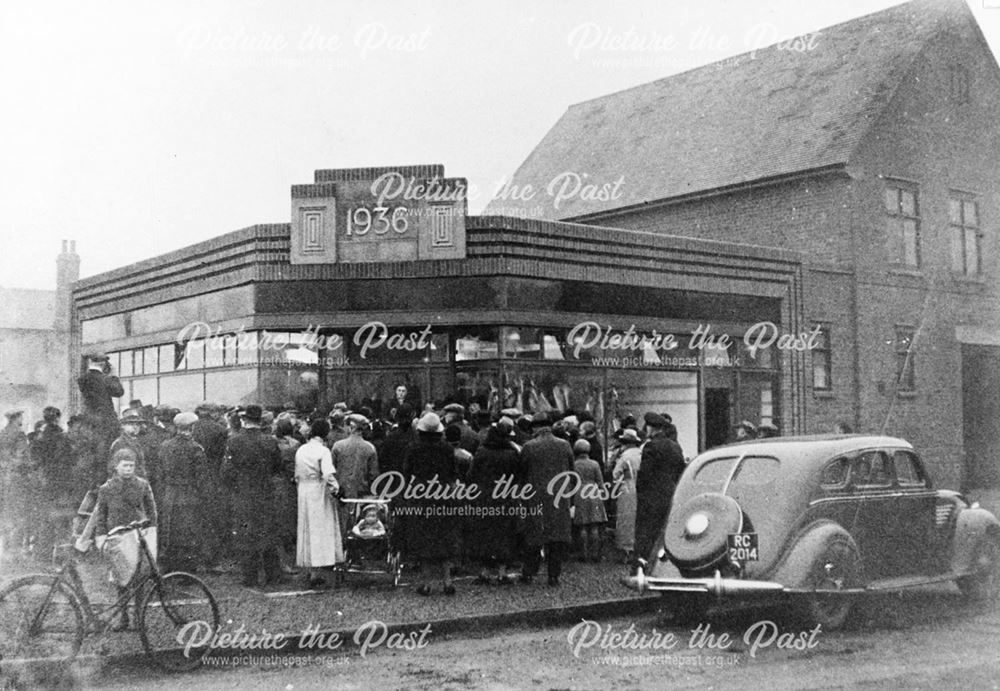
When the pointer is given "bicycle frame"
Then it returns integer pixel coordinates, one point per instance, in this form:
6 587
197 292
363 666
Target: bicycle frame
67 573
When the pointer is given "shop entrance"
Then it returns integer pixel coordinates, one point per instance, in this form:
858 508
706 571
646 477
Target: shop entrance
980 415
717 424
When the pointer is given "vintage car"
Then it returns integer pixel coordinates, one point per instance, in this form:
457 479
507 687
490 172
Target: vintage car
814 522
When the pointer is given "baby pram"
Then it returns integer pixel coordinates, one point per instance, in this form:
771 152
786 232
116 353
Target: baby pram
370 550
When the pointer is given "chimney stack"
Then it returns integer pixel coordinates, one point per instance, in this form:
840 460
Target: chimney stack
67 272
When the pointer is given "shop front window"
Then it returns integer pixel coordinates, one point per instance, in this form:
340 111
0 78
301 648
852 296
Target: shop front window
477 344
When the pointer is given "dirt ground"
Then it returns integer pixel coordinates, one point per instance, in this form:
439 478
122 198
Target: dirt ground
927 639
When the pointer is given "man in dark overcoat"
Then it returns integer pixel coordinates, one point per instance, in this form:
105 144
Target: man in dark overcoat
98 385
548 523
211 433
659 470
252 458
182 475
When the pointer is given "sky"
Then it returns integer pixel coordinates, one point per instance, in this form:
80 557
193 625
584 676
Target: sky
136 128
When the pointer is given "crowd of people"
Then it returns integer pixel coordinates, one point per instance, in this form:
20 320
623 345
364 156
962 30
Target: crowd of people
283 491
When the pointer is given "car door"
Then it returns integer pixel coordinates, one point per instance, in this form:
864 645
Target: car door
876 528
920 542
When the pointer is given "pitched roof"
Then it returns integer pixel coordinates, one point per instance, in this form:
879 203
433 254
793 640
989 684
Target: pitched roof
25 308
768 113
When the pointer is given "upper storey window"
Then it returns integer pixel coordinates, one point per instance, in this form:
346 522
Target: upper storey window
902 224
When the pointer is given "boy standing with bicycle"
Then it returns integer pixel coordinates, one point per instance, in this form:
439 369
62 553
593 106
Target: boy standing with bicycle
123 499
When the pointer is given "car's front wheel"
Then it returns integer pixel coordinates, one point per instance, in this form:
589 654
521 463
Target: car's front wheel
835 567
983 584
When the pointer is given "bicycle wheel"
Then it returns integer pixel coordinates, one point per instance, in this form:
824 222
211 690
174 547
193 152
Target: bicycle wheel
177 619
41 629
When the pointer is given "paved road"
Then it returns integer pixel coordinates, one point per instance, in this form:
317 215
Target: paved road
926 639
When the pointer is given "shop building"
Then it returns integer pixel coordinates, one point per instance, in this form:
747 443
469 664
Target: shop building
873 149
339 305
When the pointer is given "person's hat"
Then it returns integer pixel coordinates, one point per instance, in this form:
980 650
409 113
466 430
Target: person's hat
588 429
370 507
359 420
655 420
430 422
455 408
629 436
507 422
340 406
185 419
572 420
667 417
541 419
512 413
581 447
253 413
51 413
133 415
11 414
768 428
165 412
96 356
748 426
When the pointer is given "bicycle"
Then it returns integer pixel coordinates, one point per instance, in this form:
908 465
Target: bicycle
45 617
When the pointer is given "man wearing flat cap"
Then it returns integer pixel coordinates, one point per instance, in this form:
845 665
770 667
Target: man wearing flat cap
132 424
183 477
659 470
356 464
454 416
252 459
98 385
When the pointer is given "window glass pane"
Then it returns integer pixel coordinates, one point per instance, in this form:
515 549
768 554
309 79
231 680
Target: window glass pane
551 348
955 211
971 252
820 378
894 239
522 343
239 386
439 348
957 252
908 202
970 213
150 356
912 256
891 200
229 350
184 391
194 355
756 470
126 365
214 348
713 475
166 357
481 344
906 468
144 389
835 474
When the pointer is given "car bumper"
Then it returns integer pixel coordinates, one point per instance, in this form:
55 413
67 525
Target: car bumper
715 585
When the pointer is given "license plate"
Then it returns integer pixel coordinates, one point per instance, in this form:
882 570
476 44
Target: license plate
743 547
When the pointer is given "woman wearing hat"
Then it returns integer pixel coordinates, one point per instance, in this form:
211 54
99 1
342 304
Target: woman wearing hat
491 534
623 475
588 505
431 534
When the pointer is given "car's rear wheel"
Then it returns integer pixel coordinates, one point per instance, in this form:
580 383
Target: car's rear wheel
983 584
835 568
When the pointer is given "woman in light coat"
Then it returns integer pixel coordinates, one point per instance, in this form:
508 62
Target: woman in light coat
318 529
624 473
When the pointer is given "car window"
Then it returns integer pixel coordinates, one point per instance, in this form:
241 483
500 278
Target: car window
714 473
835 473
871 469
908 469
756 471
